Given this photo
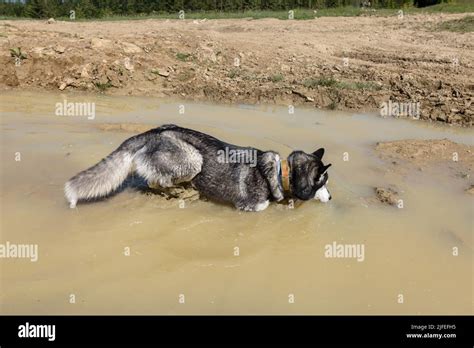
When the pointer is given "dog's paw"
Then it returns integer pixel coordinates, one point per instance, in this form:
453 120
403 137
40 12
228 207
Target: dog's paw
279 196
262 206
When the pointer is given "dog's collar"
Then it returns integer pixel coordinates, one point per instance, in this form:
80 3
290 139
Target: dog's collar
285 175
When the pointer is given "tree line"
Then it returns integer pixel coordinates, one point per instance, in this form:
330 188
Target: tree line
104 8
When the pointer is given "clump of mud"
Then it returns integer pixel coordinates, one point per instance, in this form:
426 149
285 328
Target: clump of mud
424 152
183 192
387 196
438 156
441 158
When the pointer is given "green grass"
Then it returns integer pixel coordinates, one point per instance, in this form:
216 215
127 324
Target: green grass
103 86
233 73
323 81
276 78
183 56
330 82
463 25
457 6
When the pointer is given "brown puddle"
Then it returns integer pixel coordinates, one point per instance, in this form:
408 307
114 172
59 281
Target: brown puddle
191 251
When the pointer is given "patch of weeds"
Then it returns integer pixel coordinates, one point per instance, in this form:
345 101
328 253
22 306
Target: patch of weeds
332 106
276 78
233 73
322 81
17 53
183 56
103 86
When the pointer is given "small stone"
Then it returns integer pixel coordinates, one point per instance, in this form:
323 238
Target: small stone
130 48
127 64
100 43
60 49
161 72
85 73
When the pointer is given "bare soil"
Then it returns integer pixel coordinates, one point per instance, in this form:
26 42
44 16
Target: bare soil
354 63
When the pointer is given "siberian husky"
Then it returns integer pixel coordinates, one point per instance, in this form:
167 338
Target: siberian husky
245 177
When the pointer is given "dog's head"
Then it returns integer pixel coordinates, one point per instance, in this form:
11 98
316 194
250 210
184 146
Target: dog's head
309 177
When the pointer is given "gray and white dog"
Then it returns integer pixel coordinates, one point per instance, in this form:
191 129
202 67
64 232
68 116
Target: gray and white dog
243 176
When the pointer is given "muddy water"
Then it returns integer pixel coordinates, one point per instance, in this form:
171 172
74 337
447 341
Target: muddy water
191 251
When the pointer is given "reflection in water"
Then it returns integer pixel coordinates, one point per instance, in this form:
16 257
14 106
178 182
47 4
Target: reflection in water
138 253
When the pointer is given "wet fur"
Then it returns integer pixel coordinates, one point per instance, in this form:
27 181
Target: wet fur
169 155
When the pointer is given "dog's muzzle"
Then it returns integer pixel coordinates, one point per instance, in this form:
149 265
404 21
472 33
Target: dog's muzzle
323 194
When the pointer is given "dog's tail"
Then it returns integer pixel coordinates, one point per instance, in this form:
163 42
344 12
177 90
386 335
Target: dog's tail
107 175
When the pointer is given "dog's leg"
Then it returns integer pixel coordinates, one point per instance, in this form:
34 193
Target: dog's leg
269 163
253 206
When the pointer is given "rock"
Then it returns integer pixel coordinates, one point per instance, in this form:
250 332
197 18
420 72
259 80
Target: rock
470 190
161 72
302 95
456 93
128 64
51 21
442 117
130 48
60 49
100 43
207 53
84 72
67 82
37 52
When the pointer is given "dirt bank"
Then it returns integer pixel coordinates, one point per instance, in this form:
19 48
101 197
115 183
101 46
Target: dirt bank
339 63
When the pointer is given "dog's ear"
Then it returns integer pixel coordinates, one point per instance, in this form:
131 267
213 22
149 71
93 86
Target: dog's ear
325 168
319 153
